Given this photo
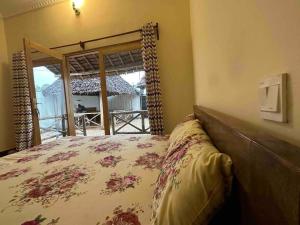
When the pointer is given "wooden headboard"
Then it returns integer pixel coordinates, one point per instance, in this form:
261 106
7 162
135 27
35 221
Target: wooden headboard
266 189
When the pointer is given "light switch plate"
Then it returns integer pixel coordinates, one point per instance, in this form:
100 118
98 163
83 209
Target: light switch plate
273 98
270 98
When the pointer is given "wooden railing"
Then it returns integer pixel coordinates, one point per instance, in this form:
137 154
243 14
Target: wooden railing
120 120
126 118
82 121
60 132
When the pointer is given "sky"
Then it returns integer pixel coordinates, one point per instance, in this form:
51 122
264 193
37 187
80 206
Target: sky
43 76
133 78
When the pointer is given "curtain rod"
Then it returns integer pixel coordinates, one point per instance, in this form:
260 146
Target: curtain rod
82 43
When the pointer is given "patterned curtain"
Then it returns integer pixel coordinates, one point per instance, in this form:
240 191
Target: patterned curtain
21 102
154 103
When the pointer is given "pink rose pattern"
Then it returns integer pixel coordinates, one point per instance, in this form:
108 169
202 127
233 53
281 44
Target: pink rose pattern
150 161
44 147
28 158
39 221
106 147
75 139
110 161
50 186
98 138
122 217
13 173
61 156
75 145
160 138
117 183
144 145
63 183
188 141
134 138
169 170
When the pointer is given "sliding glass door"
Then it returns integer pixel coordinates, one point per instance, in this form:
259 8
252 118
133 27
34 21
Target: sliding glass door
50 99
89 93
124 89
86 91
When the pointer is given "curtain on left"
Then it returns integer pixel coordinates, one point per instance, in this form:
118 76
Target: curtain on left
21 102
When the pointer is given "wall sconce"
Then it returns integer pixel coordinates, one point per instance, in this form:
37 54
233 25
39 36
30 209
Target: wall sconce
76 4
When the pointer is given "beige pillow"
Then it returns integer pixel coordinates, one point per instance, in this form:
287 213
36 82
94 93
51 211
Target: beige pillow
184 130
193 183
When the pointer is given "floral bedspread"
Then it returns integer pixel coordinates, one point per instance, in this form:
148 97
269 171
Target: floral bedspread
106 180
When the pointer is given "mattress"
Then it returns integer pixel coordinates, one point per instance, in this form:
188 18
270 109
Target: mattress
107 180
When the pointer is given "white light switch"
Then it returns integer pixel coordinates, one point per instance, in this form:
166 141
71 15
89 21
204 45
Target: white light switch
270 98
273 98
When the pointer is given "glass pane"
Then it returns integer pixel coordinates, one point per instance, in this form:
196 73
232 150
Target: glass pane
86 89
50 102
126 93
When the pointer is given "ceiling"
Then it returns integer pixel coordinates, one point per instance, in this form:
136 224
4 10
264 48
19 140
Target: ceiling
10 8
115 64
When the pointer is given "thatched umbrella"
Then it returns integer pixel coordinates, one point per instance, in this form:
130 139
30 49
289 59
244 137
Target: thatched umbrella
90 85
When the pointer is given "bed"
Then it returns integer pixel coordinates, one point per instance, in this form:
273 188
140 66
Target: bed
109 180
266 187
82 180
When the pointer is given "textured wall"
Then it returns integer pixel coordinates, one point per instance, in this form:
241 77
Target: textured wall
236 43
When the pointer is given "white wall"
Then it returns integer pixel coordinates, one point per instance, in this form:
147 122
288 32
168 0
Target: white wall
50 106
87 101
124 102
118 102
236 43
